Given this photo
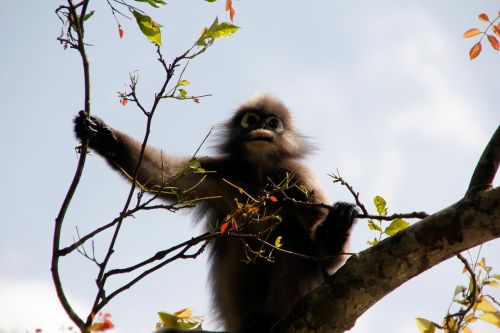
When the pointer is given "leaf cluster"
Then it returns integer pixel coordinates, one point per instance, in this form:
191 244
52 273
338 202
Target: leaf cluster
491 32
377 224
472 303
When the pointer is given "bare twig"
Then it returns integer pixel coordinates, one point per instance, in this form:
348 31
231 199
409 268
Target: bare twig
56 253
338 179
472 297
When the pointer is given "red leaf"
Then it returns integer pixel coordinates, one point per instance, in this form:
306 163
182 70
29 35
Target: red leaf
231 14
229 7
494 42
471 33
475 50
104 325
196 100
224 228
234 224
120 30
124 101
273 198
483 17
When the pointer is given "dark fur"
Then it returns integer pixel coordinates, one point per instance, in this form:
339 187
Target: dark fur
246 297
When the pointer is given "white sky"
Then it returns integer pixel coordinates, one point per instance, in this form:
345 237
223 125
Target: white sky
385 89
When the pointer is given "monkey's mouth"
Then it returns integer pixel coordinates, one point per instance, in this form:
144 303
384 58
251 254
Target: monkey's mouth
262 138
261 135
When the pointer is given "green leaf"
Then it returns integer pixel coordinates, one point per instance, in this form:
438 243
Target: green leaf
183 83
87 16
372 243
380 205
426 326
216 30
194 163
154 3
149 28
182 93
396 226
179 320
373 226
210 0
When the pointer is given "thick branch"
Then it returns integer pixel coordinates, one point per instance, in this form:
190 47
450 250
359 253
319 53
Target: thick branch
486 169
364 280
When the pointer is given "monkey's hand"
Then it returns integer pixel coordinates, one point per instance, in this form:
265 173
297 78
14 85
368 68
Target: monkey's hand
101 137
335 230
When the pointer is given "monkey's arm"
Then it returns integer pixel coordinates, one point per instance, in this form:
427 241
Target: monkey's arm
157 171
330 229
334 232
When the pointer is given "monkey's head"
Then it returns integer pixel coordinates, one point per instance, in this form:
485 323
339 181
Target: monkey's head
262 131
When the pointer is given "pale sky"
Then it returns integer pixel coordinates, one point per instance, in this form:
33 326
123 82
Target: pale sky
385 90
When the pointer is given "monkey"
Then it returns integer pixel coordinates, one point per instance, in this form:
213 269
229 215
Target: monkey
259 147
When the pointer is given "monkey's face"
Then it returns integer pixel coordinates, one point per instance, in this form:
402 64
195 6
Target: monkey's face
260 132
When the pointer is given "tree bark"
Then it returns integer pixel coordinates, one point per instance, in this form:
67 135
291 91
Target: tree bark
365 279
375 272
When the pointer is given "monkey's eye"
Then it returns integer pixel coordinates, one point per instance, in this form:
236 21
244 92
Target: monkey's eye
274 123
249 120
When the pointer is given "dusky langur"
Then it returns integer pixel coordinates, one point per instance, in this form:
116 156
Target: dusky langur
259 148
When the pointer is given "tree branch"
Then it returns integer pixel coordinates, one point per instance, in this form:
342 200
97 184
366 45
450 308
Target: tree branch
365 279
486 169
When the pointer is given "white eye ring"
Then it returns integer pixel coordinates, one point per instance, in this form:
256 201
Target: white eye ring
249 119
274 123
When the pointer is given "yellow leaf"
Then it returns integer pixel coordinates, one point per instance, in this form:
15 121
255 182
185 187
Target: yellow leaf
492 318
184 313
483 17
278 242
475 50
471 33
493 283
425 326
494 42
466 330
485 305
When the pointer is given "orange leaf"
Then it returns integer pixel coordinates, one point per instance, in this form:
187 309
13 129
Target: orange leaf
224 228
475 50
495 30
234 224
120 30
231 14
483 17
273 198
494 42
106 324
124 101
229 7
471 33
